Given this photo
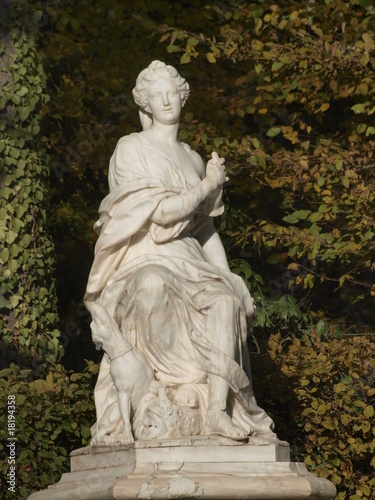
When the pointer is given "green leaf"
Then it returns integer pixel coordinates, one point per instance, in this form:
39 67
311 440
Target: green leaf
11 236
273 131
274 258
13 265
301 214
183 134
4 255
316 216
192 41
23 91
345 181
185 59
14 300
290 219
277 65
24 113
6 192
323 209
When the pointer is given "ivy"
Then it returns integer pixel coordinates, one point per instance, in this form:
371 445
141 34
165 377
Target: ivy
27 254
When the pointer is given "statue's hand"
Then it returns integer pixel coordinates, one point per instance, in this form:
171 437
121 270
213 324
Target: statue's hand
215 170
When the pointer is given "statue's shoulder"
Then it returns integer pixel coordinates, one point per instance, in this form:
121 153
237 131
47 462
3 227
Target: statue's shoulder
129 147
134 139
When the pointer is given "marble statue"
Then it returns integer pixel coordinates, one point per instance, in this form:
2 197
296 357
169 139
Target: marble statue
167 311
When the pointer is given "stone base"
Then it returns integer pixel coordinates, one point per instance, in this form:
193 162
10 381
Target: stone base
197 467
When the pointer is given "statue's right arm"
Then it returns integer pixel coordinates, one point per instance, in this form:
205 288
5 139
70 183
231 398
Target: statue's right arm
175 208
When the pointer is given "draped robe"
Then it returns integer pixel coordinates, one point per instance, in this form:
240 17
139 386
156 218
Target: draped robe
171 321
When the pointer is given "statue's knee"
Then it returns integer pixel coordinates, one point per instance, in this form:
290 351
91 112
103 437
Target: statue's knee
151 284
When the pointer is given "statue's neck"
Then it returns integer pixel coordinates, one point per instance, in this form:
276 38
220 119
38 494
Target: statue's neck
164 133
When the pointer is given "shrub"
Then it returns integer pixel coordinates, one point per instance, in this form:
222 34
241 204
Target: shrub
53 417
332 384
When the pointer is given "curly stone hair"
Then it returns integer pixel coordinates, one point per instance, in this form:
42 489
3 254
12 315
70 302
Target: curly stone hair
150 75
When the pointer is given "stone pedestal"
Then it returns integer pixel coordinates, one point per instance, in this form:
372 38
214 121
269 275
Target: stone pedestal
199 467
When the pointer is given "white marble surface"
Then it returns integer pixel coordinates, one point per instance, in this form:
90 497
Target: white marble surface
161 276
207 471
196 450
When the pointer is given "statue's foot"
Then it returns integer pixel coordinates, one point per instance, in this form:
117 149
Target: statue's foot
104 440
261 440
262 437
126 438
219 422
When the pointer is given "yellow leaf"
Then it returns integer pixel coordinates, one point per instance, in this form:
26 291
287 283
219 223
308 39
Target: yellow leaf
345 419
362 89
333 85
344 277
365 489
322 409
339 388
185 59
293 266
368 411
324 107
369 42
240 81
328 424
211 58
366 426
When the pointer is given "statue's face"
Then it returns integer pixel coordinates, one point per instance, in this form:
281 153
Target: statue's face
154 424
164 101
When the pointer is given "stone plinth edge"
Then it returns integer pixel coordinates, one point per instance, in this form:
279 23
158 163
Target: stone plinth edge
207 468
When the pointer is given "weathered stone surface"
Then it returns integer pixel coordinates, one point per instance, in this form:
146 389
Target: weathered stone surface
205 467
168 312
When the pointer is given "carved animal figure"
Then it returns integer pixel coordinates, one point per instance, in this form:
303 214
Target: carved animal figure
131 373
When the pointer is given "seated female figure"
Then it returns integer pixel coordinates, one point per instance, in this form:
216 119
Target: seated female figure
161 272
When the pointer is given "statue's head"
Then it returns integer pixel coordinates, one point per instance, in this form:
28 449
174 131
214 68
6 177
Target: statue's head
156 71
